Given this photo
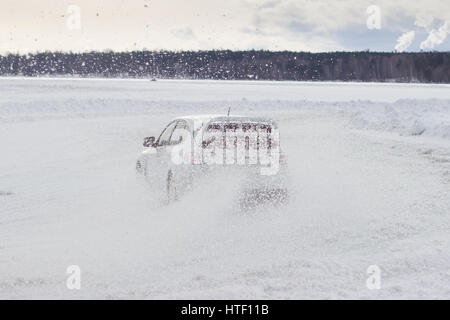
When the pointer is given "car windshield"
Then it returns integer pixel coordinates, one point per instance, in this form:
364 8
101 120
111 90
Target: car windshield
230 134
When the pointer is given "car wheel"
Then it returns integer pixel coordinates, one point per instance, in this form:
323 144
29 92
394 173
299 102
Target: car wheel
171 188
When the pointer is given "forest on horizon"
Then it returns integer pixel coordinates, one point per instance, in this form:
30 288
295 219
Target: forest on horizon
427 67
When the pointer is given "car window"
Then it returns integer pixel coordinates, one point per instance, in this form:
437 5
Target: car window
249 127
265 140
180 133
231 127
233 134
214 127
232 131
164 138
213 136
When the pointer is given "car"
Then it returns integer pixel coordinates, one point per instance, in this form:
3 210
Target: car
191 147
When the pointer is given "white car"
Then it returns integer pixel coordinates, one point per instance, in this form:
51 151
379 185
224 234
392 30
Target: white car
194 146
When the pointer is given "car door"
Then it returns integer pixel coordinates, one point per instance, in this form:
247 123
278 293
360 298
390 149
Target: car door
157 163
180 148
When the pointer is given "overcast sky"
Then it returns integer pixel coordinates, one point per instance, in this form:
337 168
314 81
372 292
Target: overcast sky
301 25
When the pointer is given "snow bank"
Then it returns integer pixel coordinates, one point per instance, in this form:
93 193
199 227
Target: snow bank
411 117
408 109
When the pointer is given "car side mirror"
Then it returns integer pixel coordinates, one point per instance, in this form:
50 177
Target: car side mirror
149 141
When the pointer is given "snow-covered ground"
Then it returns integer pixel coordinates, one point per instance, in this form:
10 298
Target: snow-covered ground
370 165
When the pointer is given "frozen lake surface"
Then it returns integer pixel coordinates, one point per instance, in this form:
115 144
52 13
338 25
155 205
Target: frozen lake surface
371 171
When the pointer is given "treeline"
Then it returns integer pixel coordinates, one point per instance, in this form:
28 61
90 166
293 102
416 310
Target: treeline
258 65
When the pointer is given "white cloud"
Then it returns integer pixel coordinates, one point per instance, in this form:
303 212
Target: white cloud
424 20
332 16
404 41
310 25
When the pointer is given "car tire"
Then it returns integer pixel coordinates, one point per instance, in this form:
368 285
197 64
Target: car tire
171 188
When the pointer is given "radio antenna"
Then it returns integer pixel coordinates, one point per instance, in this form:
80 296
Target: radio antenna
229 109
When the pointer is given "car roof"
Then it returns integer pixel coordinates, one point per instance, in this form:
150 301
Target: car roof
203 117
199 120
